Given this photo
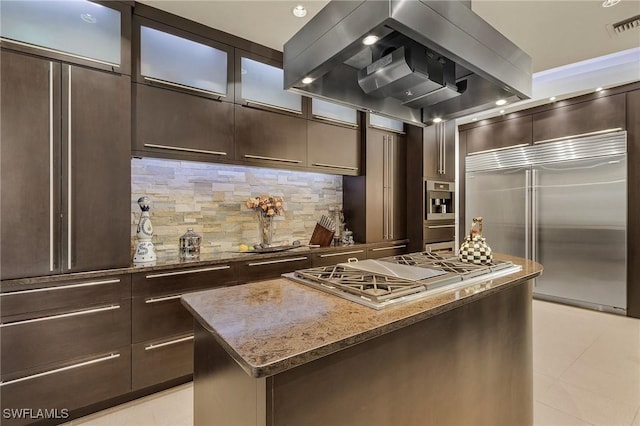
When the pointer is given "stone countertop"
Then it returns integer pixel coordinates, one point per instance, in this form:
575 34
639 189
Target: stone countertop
274 325
170 262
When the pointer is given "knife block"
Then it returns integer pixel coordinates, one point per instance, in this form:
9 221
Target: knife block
321 236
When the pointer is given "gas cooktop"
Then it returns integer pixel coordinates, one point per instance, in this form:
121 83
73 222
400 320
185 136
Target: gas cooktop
399 279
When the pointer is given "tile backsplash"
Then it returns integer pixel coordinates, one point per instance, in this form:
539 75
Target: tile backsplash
210 198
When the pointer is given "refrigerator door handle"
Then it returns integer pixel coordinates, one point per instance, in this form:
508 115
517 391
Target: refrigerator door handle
534 214
527 212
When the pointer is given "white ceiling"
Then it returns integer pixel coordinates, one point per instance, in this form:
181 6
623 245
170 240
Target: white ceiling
553 33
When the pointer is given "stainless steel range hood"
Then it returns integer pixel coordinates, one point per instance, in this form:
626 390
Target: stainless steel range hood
432 59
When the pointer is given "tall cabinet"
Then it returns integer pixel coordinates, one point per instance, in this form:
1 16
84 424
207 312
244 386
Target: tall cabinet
65 167
375 203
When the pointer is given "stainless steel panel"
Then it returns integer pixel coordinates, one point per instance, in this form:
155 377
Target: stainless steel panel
500 197
580 219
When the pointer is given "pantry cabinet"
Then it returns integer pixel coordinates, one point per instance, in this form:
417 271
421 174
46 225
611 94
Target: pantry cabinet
65 167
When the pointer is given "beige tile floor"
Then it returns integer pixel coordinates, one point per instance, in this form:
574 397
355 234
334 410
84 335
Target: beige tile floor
586 372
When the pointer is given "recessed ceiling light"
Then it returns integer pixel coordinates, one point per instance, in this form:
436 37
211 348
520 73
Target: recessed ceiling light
553 98
475 119
501 102
501 111
609 3
307 80
598 89
88 18
437 120
369 40
299 11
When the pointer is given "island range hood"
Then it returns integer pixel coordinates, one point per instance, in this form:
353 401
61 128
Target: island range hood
430 59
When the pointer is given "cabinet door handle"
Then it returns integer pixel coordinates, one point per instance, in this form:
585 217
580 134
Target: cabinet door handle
62 287
67 315
69 177
444 149
184 86
342 253
162 299
440 226
389 248
334 166
281 160
169 343
190 271
177 148
51 177
264 105
271 262
60 370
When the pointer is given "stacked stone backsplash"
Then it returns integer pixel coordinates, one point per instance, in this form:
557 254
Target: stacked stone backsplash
210 198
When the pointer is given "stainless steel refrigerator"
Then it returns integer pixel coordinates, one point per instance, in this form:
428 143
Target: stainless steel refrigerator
564 205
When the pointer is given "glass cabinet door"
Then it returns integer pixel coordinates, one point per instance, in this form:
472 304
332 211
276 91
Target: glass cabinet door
76 27
181 62
262 84
386 123
334 112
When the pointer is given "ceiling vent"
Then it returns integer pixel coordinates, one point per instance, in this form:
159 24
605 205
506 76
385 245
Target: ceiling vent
625 25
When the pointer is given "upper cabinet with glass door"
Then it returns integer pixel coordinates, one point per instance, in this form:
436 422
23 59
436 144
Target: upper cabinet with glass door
385 123
261 84
76 31
171 58
335 113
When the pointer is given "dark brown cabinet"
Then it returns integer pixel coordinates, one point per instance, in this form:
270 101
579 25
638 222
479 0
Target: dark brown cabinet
633 206
439 152
333 148
502 134
269 138
262 269
375 204
162 329
340 256
66 346
601 114
386 250
65 168
174 124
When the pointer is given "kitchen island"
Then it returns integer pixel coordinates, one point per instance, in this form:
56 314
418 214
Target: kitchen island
277 352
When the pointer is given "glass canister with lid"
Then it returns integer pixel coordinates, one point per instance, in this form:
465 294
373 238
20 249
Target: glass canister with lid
190 245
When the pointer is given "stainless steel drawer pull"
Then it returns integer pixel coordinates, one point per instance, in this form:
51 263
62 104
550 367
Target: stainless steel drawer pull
162 299
184 86
264 105
335 166
271 262
342 253
67 315
62 287
389 248
440 226
70 55
177 148
170 342
60 370
190 271
282 160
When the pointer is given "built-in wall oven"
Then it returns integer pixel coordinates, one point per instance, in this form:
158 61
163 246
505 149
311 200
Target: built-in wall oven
439 216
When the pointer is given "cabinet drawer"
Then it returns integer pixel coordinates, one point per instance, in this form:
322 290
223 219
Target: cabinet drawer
384 251
157 317
323 259
155 362
177 281
69 386
271 268
73 334
436 233
65 295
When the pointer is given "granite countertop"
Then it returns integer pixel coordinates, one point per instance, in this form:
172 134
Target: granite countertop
274 325
173 261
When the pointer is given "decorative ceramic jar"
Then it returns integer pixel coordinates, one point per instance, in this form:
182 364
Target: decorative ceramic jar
475 249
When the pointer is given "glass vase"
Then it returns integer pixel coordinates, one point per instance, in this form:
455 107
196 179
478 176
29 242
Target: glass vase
265 229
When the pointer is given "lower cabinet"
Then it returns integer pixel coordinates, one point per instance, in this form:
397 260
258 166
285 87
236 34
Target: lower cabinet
386 250
64 347
263 269
161 360
342 256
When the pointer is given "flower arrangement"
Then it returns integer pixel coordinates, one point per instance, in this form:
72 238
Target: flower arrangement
266 205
